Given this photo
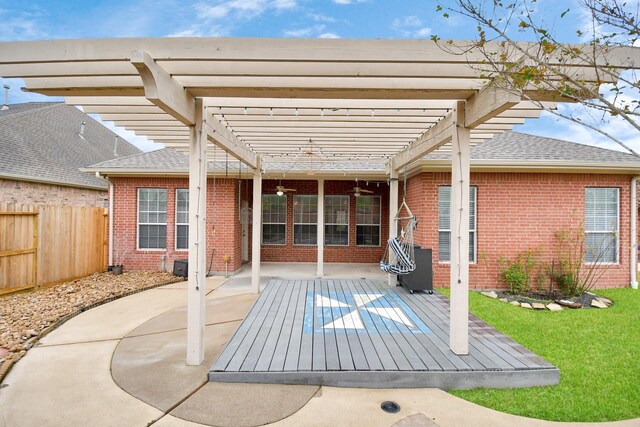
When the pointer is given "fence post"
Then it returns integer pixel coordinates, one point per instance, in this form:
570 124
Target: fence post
35 246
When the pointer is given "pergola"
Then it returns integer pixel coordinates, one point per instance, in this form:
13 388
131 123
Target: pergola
263 100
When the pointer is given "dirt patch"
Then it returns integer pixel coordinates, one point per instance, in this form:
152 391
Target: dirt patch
25 318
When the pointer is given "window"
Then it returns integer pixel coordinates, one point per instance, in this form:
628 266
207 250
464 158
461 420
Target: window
274 219
601 225
305 220
336 220
182 219
152 218
444 224
368 221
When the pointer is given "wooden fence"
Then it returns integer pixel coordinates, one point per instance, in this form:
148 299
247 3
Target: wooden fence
40 245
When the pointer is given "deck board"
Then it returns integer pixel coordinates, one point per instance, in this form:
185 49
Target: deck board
363 333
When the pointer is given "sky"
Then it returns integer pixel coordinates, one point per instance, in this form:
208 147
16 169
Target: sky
407 19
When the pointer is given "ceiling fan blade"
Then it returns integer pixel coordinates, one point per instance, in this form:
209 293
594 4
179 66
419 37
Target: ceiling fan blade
362 190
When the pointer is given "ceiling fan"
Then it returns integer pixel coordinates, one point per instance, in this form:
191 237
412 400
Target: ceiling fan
280 190
357 191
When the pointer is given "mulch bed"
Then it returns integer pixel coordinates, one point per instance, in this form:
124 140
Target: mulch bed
27 317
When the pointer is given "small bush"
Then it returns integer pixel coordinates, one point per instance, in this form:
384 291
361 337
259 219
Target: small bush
517 274
516 277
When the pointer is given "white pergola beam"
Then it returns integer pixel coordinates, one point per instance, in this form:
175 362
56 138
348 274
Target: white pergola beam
437 135
163 90
229 142
487 104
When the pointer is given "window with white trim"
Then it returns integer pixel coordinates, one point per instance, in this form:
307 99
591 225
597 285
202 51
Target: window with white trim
368 214
444 223
336 220
274 219
601 225
305 219
152 218
182 219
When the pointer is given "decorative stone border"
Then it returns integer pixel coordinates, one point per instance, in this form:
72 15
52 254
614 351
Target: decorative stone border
558 305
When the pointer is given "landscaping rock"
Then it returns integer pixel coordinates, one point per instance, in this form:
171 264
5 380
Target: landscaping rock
538 306
605 300
516 303
569 304
554 307
490 294
598 304
23 317
526 305
503 300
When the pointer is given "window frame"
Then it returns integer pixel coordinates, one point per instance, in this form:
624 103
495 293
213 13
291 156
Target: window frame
175 240
474 241
616 232
304 223
263 223
379 225
348 224
138 223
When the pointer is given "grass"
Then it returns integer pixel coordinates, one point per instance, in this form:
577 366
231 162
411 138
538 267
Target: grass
596 350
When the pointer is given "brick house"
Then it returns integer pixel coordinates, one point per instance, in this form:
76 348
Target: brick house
524 189
42 147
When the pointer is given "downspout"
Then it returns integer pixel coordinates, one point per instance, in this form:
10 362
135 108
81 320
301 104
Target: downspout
110 223
633 264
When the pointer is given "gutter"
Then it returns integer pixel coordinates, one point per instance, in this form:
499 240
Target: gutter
14 177
633 264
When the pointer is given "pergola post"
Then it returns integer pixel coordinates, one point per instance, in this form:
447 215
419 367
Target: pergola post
393 211
459 278
197 240
320 261
256 227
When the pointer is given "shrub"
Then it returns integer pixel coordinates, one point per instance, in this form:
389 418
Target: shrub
516 277
571 273
517 274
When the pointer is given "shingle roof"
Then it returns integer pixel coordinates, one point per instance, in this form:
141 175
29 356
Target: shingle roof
168 159
522 147
40 141
514 146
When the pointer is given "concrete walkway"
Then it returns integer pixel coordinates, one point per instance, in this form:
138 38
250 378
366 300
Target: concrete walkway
121 364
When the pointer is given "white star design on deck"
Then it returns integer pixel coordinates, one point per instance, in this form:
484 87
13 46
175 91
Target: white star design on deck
352 320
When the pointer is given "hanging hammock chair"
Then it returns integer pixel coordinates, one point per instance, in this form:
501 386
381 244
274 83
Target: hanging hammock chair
399 257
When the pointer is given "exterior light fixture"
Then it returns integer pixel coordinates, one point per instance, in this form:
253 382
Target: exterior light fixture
280 193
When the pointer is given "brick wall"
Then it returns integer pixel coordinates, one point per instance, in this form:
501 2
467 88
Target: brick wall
12 191
351 253
223 226
516 212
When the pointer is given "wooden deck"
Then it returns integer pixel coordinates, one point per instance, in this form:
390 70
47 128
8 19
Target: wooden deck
362 333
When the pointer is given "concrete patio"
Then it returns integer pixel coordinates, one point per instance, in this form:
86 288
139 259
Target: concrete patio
122 364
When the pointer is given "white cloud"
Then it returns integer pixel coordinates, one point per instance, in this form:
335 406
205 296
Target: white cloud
221 18
304 32
312 31
20 26
328 36
348 1
411 27
285 4
319 17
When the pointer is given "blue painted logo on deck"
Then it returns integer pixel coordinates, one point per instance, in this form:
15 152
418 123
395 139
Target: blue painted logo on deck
359 312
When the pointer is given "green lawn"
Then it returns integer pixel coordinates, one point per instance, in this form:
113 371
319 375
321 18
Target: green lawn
596 350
